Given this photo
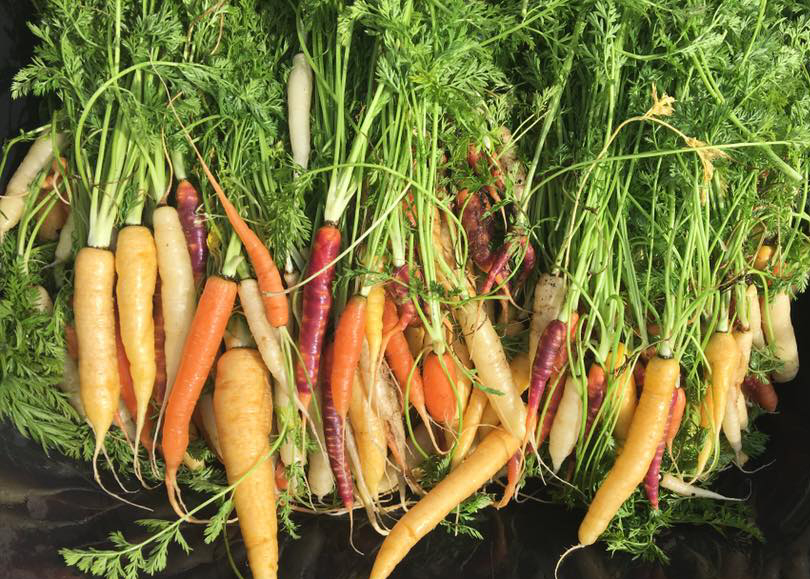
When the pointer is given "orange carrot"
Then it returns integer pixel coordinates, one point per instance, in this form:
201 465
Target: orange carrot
72 342
679 405
267 274
440 398
348 345
199 351
399 358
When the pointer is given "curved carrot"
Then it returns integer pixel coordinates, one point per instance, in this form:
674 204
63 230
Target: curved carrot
400 359
348 345
646 432
188 206
128 391
440 397
199 351
333 432
267 274
677 416
548 350
316 303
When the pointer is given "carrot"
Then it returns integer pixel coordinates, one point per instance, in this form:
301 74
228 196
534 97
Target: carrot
596 393
188 209
401 361
317 302
136 265
319 476
499 269
470 420
489 358
369 431
779 333
375 303
159 391
267 274
567 420
128 395
299 98
348 345
478 225
512 479
763 256
208 423
760 392
755 316
678 408
646 431
204 338
333 432
440 397
493 452
71 341
679 487
94 317
624 393
243 409
178 294
723 357
398 289
548 349
651 479
549 294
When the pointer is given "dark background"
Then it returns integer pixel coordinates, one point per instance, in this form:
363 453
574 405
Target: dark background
52 502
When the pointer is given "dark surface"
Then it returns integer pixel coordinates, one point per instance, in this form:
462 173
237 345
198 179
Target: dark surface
51 502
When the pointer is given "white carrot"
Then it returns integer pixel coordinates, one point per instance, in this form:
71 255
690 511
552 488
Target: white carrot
549 294
679 487
755 316
299 97
779 333
39 156
565 428
319 476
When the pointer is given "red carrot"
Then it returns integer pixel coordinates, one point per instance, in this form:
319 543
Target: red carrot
188 207
499 269
478 225
512 479
399 292
596 393
760 392
651 480
333 432
159 391
529 261
317 302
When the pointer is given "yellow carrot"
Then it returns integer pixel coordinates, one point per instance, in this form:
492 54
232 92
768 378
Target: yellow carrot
646 432
375 303
493 452
369 431
243 408
624 393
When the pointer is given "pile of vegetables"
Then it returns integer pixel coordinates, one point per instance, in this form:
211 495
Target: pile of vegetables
384 256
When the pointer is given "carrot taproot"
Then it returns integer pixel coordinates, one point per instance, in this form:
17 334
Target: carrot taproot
763 256
596 394
243 409
549 294
723 357
437 380
624 393
646 432
470 420
554 396
333 432
188 210
677 416
512 479
267 274
94 316
567 420
128 394
481 465
464 367
319 475
369 432
779 333
316 304
159 391
136 265
375 302
755 317
348 345
178 293
762 393
299 98
400 360
651 480
208 424
478 225
548 349
487 354
204 338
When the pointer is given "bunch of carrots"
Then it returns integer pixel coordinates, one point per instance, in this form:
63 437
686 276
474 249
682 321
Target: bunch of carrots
377 294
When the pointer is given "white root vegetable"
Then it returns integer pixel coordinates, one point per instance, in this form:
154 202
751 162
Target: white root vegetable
299 98
779 333
43 300
755 316
684 489
70 385
319 476
549 294
64 246
205 406
178 293
731 425
742 411
39 156
565 428
490 361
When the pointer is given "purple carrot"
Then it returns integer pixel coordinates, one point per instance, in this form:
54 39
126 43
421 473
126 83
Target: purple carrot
478 226
398 290
499 269
529 261
315 307
547 350
651 480
188 207
333 432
